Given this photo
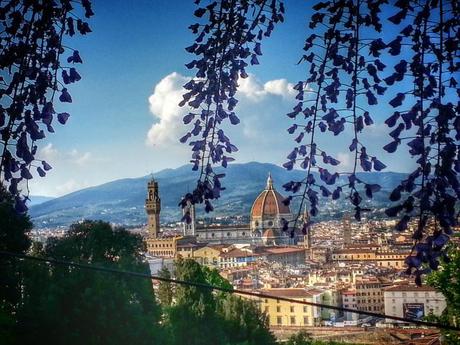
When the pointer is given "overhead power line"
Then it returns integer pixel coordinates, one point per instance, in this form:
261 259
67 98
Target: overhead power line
223 289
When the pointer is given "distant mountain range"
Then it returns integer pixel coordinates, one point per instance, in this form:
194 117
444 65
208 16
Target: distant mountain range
38 199
122 201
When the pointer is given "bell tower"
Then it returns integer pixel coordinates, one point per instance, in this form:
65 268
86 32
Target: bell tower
153 208
346 230
189 228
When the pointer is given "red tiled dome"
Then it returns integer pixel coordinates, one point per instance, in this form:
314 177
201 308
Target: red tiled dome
269 202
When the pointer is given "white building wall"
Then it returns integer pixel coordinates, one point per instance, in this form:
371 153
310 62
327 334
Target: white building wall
433 301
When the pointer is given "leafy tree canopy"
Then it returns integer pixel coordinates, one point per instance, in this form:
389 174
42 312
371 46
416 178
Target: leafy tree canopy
75 306
447 281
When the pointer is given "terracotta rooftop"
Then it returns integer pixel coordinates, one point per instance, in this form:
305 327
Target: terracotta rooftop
219 247
189 245
283 250
349 292
361 245
290 293
353 251
409 288
367 280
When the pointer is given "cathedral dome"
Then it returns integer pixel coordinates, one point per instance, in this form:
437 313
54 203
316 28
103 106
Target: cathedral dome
269 203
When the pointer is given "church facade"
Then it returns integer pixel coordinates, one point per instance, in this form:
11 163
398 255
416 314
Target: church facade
265 226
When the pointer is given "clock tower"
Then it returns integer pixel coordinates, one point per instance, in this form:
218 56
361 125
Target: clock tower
153 208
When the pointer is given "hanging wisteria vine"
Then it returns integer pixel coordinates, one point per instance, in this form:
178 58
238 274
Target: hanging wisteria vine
429 114
31 53
344 78
228 38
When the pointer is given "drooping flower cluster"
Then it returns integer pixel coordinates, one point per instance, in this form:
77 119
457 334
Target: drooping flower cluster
344 79
427 119
31 73
427 112
228 40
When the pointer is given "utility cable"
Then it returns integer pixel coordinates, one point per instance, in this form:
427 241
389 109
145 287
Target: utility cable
223 289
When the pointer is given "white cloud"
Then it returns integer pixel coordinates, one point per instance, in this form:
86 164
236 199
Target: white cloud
164 106
280 87
48 153
73 161
252 89
167 94
70 186
82 159
53 156
346 161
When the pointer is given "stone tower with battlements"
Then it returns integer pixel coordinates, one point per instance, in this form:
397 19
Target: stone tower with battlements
189 228
346 230
153 208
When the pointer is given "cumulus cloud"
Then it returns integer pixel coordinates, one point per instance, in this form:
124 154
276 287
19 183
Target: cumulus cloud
164 106
167 94
280 87
54 156
252 89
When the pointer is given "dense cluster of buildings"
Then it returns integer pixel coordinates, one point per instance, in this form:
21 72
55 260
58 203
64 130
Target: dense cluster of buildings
338 263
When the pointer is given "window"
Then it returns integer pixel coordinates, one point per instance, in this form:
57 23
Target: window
305 309
228 234
266 310
305 320
292 320
278 309
292 309
270 223
278 320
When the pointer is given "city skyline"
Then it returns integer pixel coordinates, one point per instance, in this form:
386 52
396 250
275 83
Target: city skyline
125 121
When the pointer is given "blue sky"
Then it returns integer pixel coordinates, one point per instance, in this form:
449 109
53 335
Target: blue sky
124 119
